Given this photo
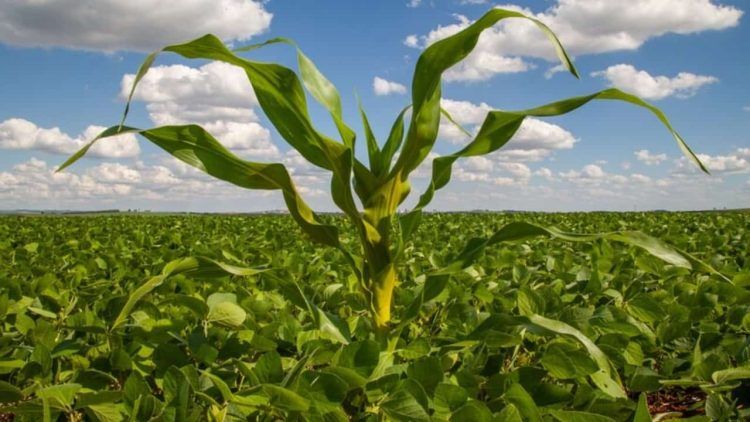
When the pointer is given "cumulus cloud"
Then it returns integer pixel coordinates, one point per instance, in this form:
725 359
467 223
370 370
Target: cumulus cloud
736 162
545 173
481 169
217 96
35 181
534 141
21 134
180 92
593 175
411 41
584 27
385 87
645 156
113 25
641 83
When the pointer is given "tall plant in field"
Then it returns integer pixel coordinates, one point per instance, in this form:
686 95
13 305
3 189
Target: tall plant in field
383 184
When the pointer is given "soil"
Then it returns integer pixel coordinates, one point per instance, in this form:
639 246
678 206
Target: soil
688 401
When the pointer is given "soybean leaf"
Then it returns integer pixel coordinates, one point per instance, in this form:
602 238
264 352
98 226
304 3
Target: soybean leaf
641 411
226 314
605 378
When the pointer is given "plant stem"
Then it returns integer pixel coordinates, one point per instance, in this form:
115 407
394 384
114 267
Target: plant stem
382 290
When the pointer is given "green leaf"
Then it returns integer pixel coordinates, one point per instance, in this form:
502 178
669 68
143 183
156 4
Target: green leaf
42 312
59 396
194 146
725 375
286 399
224 390
9 393
641 411
362 356
327 387
7 366
105 412
204 267
176 392
474 411
135 388
645 308
522 230
394 141
509 413
428 372
373 150
605 378
330 325
529 302
517 396
564 363
449 397
500 126
99 397
268 368
226 314
401 405
633 354
435 60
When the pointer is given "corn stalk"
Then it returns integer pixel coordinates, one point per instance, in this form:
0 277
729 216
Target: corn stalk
383 184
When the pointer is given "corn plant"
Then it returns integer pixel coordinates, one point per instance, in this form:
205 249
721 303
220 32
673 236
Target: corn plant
383 184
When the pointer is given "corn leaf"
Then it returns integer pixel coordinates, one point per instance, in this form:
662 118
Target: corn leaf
426 90
500 126
196 267
195 146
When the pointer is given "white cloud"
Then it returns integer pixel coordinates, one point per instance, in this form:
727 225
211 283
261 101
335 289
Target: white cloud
584 27
535 134
483 65
481 169
746 108
384 87
34 180
640 178
217 96
552 71
411 41
590 171
593 175
641 83
519 171
734 163
650 159
21 134
534 141
413 3
115 173
114 25
182 92
545 173
478 164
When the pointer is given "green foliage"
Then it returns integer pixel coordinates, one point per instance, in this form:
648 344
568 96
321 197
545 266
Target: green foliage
267 326
383 186
114 325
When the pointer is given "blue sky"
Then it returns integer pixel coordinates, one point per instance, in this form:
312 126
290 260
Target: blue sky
65 63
